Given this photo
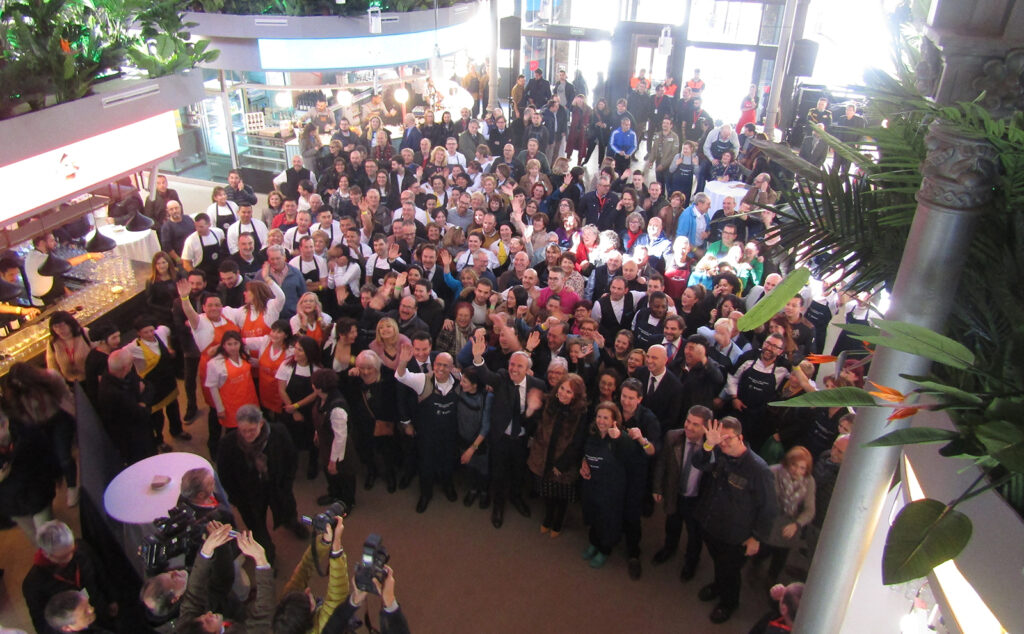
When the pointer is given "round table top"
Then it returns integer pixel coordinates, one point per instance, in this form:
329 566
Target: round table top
719 187
119 234
129 497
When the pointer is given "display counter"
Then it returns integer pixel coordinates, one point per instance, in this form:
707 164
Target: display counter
111 288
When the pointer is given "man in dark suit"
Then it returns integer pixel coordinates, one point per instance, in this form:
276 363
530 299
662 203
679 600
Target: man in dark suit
411 134
508 435
813 149
553 346
663 391
673 468
422 361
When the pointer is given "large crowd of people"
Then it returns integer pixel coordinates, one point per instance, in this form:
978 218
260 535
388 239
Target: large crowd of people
477 311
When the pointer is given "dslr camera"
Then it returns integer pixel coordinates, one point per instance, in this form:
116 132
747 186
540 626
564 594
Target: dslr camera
371 566
180 533
327 517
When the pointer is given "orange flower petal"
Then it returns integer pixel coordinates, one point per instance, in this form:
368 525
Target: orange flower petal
903 412
821 358
889 390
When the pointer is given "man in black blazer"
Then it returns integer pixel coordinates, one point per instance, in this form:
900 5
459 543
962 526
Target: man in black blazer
663 391
702 379
509 420
674 467
433 272
422 361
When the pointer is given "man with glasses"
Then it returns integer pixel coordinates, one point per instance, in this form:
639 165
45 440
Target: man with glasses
735 511
755 383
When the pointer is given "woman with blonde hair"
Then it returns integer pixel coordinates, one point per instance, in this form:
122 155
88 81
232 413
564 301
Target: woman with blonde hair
309 319
388 342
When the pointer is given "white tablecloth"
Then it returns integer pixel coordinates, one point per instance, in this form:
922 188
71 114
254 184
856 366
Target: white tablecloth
718 190
132 245
129 497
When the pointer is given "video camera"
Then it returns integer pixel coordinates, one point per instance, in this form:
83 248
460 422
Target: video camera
180 533
322 520
371 567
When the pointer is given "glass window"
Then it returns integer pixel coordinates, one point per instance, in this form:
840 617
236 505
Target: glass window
727 79
725 21
771 24
661 12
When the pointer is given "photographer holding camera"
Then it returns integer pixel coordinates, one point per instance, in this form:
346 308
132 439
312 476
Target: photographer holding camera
162 593
299 612
196 616
392 620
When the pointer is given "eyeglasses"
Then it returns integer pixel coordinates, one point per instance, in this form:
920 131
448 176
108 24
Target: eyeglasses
772 346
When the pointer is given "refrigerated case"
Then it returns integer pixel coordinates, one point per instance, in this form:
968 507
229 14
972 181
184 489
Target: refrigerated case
215 127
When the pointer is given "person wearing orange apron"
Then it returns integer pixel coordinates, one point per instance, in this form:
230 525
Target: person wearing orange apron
271 352
207 329
229 379
310 320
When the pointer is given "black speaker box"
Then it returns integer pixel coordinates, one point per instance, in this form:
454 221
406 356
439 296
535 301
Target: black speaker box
805 52
509 33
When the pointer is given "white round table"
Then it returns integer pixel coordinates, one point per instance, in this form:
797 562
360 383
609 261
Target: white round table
132 245
130 499
717 191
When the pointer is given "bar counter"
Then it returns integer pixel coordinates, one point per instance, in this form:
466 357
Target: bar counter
110 288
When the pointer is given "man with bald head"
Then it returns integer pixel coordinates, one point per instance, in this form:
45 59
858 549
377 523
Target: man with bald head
435 422
662 389
123 409
758 292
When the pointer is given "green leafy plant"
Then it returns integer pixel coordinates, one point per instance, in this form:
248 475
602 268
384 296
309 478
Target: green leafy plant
988 430
66 44
165 46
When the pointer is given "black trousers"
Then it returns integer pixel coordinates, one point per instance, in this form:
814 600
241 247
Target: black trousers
729 559
213 425
554 513
508 468
342 485
173 411
684 515
622 163
191 375
254 514
631 530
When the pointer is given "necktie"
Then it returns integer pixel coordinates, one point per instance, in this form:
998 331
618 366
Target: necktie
654 385
425 368
670 348
684 478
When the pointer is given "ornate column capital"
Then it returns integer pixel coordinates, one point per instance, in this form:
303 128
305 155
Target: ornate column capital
959 170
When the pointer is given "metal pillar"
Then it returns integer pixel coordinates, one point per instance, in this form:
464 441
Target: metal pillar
959 172
781 65
492 63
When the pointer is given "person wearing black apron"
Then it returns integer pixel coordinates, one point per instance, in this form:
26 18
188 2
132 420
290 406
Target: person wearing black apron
820 315
213 255
223 213
755 388
298 388
436 424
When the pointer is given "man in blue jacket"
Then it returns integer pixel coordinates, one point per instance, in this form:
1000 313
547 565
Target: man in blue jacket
623 145
693 222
